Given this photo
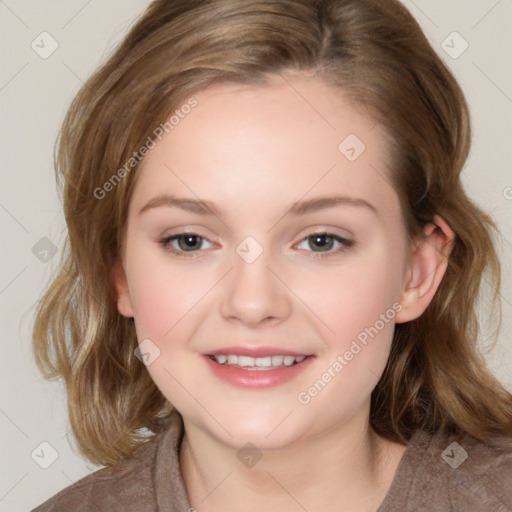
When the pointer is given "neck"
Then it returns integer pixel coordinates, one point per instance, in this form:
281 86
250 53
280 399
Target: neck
349 468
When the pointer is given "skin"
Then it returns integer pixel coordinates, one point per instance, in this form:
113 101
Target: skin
253 151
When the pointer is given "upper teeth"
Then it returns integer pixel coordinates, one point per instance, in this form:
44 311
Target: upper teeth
267 361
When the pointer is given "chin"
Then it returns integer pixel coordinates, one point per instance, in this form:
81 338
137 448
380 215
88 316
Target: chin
266 433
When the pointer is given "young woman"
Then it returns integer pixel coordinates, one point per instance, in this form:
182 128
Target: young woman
273 268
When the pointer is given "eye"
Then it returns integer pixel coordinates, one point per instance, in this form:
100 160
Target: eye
325 241
189 244
183 244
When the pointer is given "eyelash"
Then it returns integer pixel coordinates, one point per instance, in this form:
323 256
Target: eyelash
345 244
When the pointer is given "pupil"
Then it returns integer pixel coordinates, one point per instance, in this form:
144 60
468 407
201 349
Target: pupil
189 241
320 240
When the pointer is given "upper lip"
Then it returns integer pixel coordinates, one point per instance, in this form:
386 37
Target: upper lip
256 352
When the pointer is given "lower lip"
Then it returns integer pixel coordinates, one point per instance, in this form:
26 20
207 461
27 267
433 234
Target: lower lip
257 379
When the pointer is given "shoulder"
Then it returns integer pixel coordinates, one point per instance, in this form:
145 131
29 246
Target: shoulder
127 485
455 472
480 474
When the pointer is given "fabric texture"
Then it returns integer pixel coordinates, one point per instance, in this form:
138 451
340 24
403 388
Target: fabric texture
436 474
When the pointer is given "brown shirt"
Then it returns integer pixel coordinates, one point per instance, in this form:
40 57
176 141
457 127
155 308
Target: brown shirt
434 475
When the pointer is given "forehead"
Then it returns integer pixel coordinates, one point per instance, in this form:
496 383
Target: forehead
243 145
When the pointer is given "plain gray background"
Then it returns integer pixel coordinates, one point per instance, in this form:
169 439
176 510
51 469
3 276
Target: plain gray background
35 90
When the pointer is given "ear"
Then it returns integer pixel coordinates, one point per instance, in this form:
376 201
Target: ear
120 284
427 267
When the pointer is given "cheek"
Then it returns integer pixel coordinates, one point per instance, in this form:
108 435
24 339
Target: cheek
162 294
352 297
354 308
358 308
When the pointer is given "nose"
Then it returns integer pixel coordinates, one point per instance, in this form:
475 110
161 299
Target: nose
254 293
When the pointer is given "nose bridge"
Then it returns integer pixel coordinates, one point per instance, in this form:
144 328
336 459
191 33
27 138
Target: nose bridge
254 293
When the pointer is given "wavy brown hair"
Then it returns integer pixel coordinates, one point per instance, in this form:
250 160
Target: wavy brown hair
374 51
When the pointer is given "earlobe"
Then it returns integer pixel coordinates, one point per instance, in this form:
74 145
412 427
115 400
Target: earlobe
429 261
120 284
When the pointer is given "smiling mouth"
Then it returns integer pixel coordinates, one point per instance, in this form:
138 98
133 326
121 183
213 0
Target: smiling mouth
257 363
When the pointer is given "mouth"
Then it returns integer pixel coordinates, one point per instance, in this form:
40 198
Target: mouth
256 367
264 363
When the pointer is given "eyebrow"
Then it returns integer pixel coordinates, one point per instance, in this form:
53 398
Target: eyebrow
204 207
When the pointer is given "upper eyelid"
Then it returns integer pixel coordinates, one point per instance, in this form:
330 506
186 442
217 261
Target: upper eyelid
331 233
345 244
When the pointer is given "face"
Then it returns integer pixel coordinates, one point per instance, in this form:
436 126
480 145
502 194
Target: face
274 270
